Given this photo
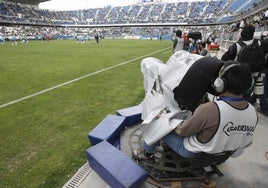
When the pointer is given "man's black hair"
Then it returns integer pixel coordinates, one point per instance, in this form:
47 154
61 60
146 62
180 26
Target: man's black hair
238 78
247 32
178 33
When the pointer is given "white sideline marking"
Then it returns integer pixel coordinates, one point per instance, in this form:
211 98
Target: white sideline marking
77 79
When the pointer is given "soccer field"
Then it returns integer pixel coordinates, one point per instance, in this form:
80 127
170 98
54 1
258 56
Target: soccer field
53 93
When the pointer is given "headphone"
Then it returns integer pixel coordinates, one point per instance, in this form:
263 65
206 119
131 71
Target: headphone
220 83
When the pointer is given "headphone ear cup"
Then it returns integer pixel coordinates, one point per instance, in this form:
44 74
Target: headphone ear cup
219 85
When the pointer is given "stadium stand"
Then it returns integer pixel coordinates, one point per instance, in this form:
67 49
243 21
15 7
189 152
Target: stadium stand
159 19
190 12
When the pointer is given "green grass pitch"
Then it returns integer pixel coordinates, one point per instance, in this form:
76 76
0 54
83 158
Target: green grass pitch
53 93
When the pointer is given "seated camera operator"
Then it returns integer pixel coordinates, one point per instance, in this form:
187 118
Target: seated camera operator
226 124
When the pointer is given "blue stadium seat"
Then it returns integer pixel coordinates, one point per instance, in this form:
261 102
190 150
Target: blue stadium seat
236 4
248 5
132 114
108 129
118 170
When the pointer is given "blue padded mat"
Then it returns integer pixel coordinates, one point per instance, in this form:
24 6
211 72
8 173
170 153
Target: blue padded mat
108 129
117 169
132 114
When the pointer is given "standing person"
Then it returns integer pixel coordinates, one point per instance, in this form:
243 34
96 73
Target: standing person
203 50
161 37
236 31
2 40
97 38
265 44
193 46
227 124
256 60
186 41
178 43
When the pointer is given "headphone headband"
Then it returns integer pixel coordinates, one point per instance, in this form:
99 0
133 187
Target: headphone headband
225 69
220 83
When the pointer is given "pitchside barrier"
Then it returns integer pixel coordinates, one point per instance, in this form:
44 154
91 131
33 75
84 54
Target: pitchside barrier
116 168
105 157
110 127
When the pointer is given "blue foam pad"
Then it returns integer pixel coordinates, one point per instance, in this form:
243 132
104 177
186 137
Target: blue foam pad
108 129
132 114
117 144
118 170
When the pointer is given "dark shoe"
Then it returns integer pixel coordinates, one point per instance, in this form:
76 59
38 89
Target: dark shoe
163 147
141 155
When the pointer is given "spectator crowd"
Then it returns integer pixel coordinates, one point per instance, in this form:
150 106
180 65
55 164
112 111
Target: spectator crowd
214 11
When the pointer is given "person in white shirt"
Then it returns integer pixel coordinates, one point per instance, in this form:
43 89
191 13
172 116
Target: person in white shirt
178 43
227 124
